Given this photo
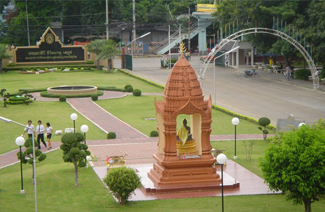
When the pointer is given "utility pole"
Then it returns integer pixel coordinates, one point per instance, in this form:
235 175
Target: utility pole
27 25
134 30
107 21
189 31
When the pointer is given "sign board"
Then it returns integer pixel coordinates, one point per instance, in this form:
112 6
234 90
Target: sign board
49 50
284 125
206 8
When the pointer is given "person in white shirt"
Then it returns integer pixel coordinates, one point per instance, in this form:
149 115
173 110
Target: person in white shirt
40 134
49 134
29 129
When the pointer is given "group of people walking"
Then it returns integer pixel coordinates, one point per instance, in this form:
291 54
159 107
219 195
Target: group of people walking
40 130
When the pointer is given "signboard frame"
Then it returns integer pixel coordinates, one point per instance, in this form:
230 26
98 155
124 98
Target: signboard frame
77 54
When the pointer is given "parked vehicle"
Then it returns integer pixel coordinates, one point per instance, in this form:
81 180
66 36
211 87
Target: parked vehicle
250 73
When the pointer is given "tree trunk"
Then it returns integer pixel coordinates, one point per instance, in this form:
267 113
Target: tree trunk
0 65
108 66
97 64
76 182
307 203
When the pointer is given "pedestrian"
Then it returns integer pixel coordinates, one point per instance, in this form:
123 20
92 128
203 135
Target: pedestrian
288 72
29 129
40 134
49 134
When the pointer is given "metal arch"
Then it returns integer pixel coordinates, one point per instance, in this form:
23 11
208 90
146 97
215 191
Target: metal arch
232 37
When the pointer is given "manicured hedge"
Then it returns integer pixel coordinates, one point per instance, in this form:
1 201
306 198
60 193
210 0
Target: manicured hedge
247 118
30 90
111 89
46 94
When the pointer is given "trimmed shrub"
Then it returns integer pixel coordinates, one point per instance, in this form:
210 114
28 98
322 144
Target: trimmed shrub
122 182
110 89
94 97
62 98
46 94
126 86
154 133
89 62
18 100
264 122
137 92
129 89
302 74
111 135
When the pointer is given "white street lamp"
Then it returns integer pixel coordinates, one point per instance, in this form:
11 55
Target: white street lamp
34 167
235 122
301 124
74 117
222 159
84 128
20 141
144 35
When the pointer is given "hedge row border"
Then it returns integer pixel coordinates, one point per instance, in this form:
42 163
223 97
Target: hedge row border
46 94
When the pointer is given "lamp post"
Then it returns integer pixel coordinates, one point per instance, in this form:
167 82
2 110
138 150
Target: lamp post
34 167
84 128
235 122
222 159
301 124
74 117
20 141
132 45
88 158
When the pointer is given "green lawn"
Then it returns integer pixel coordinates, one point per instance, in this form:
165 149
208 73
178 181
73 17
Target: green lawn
13 80
135 110
258 149
56 192
57 113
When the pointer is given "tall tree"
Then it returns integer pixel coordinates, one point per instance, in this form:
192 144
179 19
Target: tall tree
104 49
108 52
294 164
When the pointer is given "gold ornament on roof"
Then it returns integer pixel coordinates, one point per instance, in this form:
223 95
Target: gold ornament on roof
182 48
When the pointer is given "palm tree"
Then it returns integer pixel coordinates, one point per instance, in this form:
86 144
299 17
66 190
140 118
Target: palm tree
109 51
3 54
104 49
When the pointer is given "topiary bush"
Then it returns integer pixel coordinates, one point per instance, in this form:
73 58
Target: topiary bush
128 88
62 98
302 74
111 135
154 133
94 97
137 92
122 182
74 151
264 121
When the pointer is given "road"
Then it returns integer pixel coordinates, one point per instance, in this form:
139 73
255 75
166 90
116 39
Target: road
255 97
